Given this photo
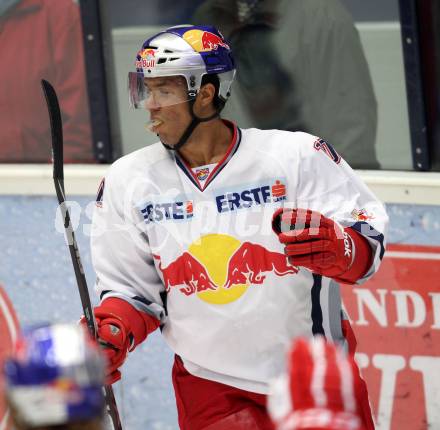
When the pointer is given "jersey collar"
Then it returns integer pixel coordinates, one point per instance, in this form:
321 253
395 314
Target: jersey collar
232 149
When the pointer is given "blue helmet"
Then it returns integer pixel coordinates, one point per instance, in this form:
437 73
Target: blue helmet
55 376
190 51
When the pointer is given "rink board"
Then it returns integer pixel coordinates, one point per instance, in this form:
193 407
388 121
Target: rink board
8 334
396 318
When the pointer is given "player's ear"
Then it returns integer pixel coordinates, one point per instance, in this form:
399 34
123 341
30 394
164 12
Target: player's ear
206 95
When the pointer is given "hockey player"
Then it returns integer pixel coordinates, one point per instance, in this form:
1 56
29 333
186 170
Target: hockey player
320 391
182 237
54 380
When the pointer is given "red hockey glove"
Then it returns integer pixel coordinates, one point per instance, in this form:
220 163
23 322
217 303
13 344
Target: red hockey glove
121 328
320 244
321 391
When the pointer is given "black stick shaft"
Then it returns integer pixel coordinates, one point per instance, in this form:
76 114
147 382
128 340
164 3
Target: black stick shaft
58 176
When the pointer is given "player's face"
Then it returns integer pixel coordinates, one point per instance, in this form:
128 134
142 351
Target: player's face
167 104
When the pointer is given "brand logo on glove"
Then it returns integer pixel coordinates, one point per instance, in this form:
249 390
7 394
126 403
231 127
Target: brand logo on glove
347 245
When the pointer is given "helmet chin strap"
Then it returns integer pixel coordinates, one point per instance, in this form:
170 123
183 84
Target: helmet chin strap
194 123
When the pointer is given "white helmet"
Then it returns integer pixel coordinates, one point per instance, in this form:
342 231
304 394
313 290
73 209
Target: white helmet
55 376
188 51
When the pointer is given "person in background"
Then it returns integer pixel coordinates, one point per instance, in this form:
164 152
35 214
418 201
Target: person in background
54 380
300 67
42 39
319 391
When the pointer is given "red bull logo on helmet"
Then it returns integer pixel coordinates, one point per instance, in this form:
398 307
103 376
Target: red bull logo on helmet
203 41
146 59
251 196
219 269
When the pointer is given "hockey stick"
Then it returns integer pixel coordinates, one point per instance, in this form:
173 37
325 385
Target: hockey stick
58 177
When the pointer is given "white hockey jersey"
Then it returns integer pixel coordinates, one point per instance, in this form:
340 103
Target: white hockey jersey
204 260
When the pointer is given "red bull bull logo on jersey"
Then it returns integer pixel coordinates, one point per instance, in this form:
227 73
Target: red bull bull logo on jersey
203 41
219 269
177 211
147 59
251 196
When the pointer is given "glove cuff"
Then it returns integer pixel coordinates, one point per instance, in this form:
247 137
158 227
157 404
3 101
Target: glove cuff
362 259
138 324
276 221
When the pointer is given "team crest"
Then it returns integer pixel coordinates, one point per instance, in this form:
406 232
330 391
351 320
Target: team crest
202 174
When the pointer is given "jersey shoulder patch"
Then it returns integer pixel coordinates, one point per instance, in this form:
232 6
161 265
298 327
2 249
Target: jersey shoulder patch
322 145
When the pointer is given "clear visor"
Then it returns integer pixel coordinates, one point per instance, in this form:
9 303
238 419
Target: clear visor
153 93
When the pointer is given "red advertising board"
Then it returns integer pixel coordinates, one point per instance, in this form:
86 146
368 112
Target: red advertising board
396 318
8 330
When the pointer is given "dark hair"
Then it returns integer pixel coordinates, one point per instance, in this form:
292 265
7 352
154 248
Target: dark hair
214 80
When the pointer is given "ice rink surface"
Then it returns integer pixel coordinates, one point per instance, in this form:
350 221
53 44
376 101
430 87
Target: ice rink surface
37 274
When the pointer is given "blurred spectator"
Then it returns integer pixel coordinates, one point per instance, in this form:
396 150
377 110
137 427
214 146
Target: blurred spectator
54 380
321 390
300 66
159 12
42 39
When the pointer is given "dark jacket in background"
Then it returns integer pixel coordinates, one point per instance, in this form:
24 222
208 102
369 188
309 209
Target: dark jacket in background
300 66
